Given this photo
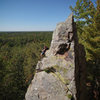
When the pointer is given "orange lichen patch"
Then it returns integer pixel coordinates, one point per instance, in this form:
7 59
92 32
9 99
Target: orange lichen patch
26 81
29 78
66 54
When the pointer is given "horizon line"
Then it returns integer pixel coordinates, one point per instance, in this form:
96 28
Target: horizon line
28 31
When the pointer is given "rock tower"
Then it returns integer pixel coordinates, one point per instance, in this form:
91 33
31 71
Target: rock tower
60 73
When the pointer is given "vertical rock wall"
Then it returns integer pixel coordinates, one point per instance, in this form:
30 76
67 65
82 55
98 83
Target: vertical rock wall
59 74
80 68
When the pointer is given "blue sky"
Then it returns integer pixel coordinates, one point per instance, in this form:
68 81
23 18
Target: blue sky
33 15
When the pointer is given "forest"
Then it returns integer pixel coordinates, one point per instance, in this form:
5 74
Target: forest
19 54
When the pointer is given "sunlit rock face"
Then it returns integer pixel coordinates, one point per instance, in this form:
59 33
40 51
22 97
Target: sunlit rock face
62 34
55 77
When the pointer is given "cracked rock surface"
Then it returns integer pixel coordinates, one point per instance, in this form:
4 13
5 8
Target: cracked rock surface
56 78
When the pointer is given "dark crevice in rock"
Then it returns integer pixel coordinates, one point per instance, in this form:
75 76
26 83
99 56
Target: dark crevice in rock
47 70
38 96
63 48
51 69
72 98
70 36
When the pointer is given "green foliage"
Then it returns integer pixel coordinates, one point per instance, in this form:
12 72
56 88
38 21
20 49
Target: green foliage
88 29
19 54
84 11
69 96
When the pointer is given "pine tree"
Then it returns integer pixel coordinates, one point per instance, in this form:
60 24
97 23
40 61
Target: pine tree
91 37
83 13
97 16
88 29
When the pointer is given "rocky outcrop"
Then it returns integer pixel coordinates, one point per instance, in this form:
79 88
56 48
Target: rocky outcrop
56 74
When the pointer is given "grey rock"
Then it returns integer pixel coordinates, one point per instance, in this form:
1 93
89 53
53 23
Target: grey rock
62 33
60 76
57 83
46 87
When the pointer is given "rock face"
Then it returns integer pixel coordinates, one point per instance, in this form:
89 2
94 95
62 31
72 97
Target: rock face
62 34
56 76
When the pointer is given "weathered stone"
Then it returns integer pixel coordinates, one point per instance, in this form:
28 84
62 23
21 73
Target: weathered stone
61 35
46 87
60 74
57 70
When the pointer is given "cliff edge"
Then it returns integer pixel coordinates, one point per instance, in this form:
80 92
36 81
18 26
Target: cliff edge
61 73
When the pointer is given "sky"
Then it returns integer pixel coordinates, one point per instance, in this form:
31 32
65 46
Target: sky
33 15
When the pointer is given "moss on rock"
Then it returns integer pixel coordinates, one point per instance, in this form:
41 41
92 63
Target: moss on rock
69 96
